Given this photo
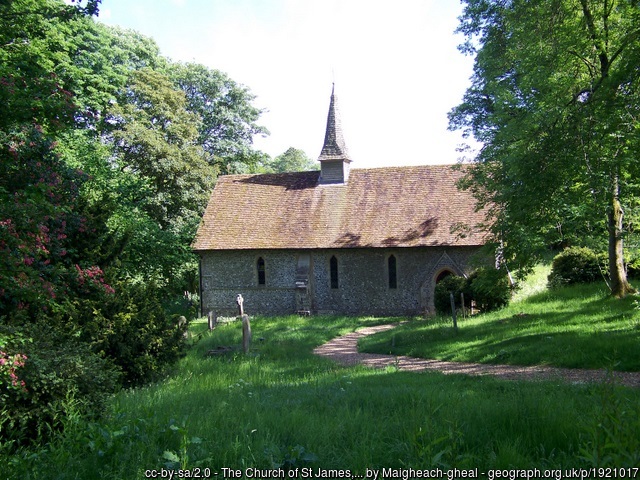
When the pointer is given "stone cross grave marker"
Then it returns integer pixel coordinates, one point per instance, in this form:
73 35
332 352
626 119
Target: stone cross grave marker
246 325
240 302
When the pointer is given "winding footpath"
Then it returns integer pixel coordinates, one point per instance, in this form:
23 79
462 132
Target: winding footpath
344 350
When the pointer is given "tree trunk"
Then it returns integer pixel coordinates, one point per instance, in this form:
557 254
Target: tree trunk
620 287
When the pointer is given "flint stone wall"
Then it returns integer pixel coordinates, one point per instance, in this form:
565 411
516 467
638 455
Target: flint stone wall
363 279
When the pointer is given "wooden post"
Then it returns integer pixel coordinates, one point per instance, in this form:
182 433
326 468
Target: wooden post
213 320
246 333
464 311
453 311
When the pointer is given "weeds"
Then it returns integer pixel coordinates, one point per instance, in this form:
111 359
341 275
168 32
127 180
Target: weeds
440 445
179 458
612 438
289 458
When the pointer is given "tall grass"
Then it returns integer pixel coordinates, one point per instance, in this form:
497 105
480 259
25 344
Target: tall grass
282 407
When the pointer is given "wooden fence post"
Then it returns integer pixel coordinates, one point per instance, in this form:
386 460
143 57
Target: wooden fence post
453 311
213 320
246 333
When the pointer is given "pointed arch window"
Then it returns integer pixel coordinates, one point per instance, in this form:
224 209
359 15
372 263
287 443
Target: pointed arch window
393 275
333 268
262 278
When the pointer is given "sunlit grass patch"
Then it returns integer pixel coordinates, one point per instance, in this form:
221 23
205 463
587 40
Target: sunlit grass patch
579 326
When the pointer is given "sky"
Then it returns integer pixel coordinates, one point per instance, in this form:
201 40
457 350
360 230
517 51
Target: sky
395 66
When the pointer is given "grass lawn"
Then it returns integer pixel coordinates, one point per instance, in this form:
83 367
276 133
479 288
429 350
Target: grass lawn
282 407
575 327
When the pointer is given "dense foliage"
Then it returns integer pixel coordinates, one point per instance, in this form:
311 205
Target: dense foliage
575 265
293 160
451 284
108 153
555 102
488 288
58 371
228 120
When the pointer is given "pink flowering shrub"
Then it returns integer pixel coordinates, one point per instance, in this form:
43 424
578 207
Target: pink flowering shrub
9 365
92 278
42 224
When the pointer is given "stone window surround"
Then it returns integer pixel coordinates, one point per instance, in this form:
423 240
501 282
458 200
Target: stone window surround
261 271
392 271
333 273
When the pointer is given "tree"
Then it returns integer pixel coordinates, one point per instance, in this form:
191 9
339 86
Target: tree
73 332
228 119
156 138
555 101
33 43
163 177
39 193
102 63
293 160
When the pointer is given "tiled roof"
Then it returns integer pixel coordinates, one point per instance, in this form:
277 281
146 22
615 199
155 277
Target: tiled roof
379 207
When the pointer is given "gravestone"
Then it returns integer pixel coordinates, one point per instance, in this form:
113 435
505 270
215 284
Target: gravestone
453 311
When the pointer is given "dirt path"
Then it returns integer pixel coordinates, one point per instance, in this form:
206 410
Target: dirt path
344 350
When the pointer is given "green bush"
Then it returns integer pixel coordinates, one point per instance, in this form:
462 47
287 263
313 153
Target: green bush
133 330
58 371
80 354
490 288
446 286
575 265
633 266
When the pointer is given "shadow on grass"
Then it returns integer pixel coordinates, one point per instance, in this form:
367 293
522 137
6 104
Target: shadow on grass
573 327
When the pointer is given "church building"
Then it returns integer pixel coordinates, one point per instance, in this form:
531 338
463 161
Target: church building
339 240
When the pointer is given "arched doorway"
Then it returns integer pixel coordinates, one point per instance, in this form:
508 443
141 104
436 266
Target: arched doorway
449 288
443 268
442 275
